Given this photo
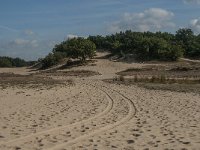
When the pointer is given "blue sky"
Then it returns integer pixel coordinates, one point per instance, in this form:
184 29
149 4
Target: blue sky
30 28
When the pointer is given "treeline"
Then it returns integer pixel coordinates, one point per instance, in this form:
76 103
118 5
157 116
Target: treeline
151 46
14 62
141 45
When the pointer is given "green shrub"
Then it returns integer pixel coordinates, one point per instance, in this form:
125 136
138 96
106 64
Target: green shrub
5 62
13 62
49 61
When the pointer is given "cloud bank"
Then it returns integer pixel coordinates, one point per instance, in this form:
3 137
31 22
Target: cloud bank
192 1
29 49
195 25
8 28
152 19
25 44
71 36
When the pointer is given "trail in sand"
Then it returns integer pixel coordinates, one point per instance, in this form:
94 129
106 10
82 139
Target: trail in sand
93 114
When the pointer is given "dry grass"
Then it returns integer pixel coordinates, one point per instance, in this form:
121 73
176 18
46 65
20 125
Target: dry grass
156 79
173 70
76 73
194 88
160 83
29 81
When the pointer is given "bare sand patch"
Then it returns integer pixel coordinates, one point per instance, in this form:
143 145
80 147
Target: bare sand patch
93 114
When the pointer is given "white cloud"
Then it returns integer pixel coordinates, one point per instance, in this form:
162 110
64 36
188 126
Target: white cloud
195 25
71 36
8 29
150 20
24 43
20 42
34 43
26 48
192 1
28 32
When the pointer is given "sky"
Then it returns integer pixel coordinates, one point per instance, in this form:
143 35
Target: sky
29 29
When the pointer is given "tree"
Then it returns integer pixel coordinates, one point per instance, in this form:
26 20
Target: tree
150 46
14 62
49 61
185 37
77 48
142 45
5 62
17 62
98 40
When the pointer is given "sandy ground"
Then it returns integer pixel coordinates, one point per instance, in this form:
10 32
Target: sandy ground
92 114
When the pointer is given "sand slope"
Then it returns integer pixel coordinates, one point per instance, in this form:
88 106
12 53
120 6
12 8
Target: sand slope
92 114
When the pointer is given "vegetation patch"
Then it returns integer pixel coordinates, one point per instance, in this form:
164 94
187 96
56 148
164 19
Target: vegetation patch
76 73
76 48
160 83
14 62
76 63
194 88
148 46
173 70
156 79
178 76
29 81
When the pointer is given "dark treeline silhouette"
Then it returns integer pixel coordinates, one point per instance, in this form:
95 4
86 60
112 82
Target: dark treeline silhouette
14 62
151 46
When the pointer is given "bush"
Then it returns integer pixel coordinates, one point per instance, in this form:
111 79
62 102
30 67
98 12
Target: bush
13 62
49 61
77 48
80 48
5 62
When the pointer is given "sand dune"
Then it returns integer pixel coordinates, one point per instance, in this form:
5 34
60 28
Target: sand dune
93 114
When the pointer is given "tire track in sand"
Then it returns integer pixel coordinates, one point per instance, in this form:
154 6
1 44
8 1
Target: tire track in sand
131 114
107 110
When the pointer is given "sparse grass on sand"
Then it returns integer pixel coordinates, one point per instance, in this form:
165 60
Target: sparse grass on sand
29 81
173 70
76 73
182 77
160 83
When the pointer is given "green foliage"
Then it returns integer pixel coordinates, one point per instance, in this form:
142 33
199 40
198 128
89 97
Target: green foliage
13 62
52 59
151 46
76 48
142 45
5 62
80 48
189 42
48 61
17 62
